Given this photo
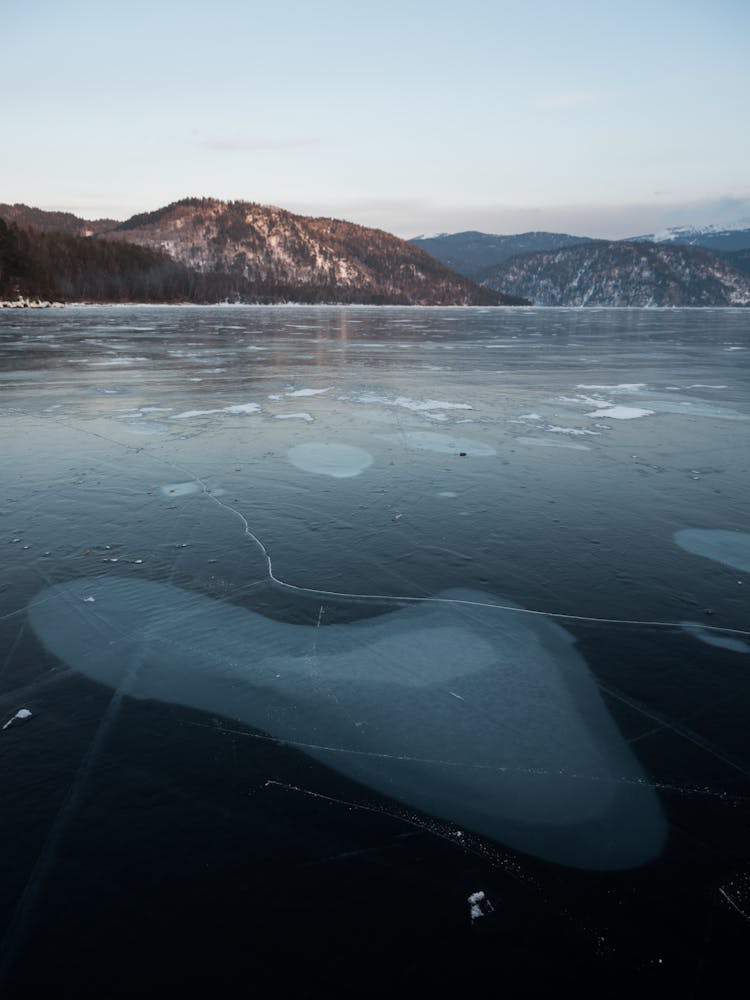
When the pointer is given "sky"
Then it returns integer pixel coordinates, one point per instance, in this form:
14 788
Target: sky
591 117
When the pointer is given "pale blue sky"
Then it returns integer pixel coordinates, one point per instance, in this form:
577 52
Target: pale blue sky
598 118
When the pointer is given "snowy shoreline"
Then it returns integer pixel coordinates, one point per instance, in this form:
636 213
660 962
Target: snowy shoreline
30 304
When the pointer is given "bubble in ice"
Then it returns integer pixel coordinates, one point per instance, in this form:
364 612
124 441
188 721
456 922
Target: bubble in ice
22 713
472 714
181 489
732 548
338 460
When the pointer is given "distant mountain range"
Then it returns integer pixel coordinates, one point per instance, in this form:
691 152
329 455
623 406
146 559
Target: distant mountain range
474 254
205 250
679 267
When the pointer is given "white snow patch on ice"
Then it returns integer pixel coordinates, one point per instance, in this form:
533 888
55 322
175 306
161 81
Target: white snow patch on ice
294 416
415 405
620 387
308 392
235 408
574 431
621 413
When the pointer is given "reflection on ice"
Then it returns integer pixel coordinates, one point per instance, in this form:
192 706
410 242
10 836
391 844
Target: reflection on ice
473 714
729 547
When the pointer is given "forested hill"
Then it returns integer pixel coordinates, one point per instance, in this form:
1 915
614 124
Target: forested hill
204 250
56 266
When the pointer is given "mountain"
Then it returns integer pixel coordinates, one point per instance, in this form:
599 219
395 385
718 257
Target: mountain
54 222
603 273
739 259
258 253
473 254
711 237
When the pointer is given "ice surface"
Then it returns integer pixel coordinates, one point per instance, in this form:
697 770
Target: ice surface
470 713
547 443
444 444
339 460
729 547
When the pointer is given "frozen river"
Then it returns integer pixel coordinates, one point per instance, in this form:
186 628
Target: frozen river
331 634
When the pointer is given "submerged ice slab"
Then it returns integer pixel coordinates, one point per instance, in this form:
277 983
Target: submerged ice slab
729 547
339 460
471 713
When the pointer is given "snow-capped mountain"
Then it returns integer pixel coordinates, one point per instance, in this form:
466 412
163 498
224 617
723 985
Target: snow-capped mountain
733 237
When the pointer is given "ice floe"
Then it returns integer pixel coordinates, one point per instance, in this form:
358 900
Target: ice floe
471 713
732 548
294 416
338 460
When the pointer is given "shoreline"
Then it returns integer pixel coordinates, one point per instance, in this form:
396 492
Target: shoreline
30 304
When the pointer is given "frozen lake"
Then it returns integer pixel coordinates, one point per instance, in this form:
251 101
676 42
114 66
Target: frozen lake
334 634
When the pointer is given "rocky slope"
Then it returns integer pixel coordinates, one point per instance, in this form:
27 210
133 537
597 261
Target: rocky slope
604 273
298 257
